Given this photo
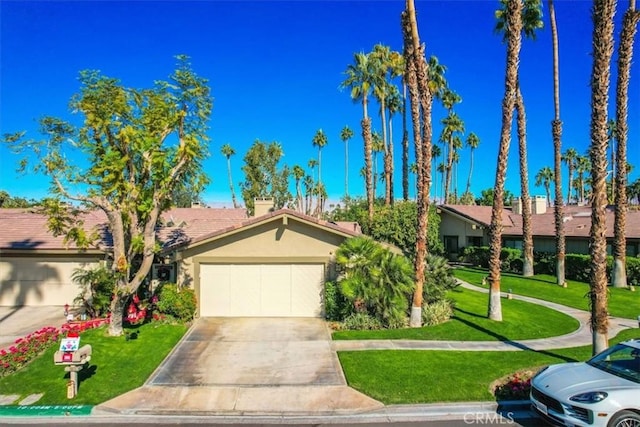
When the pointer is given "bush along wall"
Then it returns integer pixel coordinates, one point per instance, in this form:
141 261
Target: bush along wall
577 266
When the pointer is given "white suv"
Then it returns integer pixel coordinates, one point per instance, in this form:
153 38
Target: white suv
604 391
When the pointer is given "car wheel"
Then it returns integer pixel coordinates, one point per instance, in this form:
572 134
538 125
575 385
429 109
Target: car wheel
625 419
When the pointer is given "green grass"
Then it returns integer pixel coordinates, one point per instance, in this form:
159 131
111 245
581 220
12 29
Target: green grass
622 302
117 366
521 320
425 376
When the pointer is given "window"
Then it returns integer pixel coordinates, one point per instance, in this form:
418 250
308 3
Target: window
474 241
451 244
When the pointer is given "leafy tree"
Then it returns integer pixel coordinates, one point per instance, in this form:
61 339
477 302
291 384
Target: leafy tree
263 177
602 13
96 290
140 147
8 201
228 151
625 52
486 197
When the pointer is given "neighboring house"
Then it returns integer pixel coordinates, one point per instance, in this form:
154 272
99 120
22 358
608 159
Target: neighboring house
273 264
463 225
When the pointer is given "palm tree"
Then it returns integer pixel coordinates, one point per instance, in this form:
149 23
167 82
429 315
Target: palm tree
345 135
435 153
377 146
602 14
309 185
453 125
472 142
611 133
513 19
394 105
298 174
583 165
545 177
319 140
556 134
570 158
625 53
228 151
417 78
359 81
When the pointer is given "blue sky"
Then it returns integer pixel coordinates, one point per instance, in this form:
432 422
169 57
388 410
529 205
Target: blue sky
275 66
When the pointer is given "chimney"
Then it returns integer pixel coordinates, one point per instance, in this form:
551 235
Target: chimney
539 205
262 206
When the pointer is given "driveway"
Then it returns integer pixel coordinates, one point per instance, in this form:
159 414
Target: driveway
18 322
233 366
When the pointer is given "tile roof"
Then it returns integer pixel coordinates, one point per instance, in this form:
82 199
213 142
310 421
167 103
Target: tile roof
577 220
23 229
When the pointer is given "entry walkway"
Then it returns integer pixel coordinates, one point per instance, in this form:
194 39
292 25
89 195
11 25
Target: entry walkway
582 336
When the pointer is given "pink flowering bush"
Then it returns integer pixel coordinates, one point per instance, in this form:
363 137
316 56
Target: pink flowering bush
24 350
515 387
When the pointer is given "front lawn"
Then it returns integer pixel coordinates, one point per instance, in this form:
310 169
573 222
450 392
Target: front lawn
426 376
622 302
117 366
521 321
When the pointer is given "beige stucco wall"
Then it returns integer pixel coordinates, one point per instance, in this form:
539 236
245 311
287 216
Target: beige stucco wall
40 279
273 242
453 226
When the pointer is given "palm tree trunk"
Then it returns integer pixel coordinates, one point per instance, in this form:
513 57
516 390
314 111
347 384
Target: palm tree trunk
389 167
233 193
625 53
468 189
556 134
448 167
346 168
514 41
366 136
420 100
405 145
527 234
603 12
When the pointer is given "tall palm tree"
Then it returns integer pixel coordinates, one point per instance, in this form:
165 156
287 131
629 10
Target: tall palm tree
453 125
394 105
421 105
602 14
513 29
319 140
309 185
298 174
625 53
531 21
472 142
228 151
377 147
583 166
435 153
544 178
556 135
570 158
360 81
611 133
345 135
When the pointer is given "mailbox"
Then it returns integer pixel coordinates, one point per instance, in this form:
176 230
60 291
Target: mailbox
72 357
77 357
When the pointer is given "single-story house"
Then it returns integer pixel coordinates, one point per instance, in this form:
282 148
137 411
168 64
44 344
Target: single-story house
272 264
464 225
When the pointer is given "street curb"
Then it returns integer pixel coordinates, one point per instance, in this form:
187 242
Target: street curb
45 410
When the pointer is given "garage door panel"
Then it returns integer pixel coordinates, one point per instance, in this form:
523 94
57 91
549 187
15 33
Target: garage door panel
244 291
275 290
254 290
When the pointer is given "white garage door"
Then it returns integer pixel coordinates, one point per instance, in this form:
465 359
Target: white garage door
261 290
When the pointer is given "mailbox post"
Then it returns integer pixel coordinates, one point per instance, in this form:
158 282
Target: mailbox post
73 358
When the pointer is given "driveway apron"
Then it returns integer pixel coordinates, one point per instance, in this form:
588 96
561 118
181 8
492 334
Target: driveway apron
232 366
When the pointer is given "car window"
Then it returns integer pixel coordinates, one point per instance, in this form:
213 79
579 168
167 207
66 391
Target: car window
620 360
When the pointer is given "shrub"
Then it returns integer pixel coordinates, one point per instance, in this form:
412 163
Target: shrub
177 302
633 271
336 306
510 258
97 288
514 387
577 267
361 321
438 279
437 312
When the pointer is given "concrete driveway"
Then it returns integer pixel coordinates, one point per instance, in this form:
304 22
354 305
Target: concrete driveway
234 366
18 322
